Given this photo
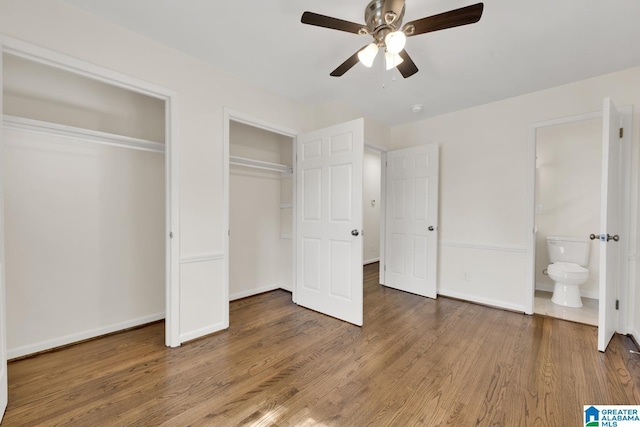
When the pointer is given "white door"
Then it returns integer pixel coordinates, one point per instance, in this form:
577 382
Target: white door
411 225
609 224
329 221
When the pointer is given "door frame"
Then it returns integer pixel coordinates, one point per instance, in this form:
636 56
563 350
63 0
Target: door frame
383 197
626 272
172 185
230 115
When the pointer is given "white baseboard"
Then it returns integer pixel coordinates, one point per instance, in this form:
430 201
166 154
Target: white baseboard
370 261
484 301
252 292
192 335
12 353
583 293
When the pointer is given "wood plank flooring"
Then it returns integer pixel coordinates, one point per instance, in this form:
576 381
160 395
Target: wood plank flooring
415 362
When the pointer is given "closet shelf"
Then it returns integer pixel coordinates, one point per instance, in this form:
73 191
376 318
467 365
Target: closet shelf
86 135
258 164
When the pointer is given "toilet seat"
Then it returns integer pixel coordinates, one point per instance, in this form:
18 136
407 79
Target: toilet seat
566 268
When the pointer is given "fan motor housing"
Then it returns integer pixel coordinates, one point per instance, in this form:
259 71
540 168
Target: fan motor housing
374 18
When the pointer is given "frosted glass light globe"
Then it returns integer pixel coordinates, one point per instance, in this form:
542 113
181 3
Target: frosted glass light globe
395 41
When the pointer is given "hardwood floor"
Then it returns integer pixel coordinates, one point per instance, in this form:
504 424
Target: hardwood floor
415 362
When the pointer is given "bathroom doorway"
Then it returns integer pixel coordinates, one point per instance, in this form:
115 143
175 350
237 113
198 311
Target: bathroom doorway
567 205
614 230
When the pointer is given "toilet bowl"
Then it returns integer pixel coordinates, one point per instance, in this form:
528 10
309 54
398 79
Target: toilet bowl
569 257
567 277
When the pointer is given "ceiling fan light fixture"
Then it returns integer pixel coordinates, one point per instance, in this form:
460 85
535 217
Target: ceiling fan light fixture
368 54
395 41
392 60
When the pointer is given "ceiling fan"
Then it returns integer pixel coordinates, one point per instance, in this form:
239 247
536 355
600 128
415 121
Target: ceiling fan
383 21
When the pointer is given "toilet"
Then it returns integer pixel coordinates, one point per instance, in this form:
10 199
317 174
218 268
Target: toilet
568 256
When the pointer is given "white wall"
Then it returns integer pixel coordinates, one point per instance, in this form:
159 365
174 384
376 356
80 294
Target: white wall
568 177
202 92
84 227
260 259
371 168
483 182
40 92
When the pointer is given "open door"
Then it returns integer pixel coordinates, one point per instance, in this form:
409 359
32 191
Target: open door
329 221
411 224
609 223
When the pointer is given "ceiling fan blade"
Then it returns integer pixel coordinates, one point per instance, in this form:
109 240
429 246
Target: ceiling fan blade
318 20
453 18
394 6
407 67
347 65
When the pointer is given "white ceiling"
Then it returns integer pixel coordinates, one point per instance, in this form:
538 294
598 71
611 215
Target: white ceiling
517 47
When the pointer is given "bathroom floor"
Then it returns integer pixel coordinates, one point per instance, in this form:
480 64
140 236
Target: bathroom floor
588 314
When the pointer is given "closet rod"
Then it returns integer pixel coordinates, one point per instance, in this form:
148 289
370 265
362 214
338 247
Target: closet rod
87 135
258 164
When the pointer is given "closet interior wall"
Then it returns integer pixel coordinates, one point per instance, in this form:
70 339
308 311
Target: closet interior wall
260 211
84 221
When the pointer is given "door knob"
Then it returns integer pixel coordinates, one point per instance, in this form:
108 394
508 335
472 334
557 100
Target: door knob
615 237
355 233
594 236
431 228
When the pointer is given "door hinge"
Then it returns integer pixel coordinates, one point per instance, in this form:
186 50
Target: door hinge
617 304
621 132
171 234
385 267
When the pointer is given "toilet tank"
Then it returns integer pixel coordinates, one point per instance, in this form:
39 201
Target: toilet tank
569 249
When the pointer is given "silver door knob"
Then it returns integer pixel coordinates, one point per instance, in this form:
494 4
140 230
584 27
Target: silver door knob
615 237
594 236
355 233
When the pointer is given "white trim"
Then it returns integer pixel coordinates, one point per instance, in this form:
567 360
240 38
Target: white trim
375 147
255 122
583 293
228 116
383 217
86 135
81 336
483 301
259 164
252 292
191 259
172 161
4 389
370 261
199 333
76 66
483 246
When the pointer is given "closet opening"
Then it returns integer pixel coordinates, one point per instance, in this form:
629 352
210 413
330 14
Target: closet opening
261 211
86 172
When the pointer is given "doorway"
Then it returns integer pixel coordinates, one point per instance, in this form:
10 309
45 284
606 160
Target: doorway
567 205
260 211
170 225
615 210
